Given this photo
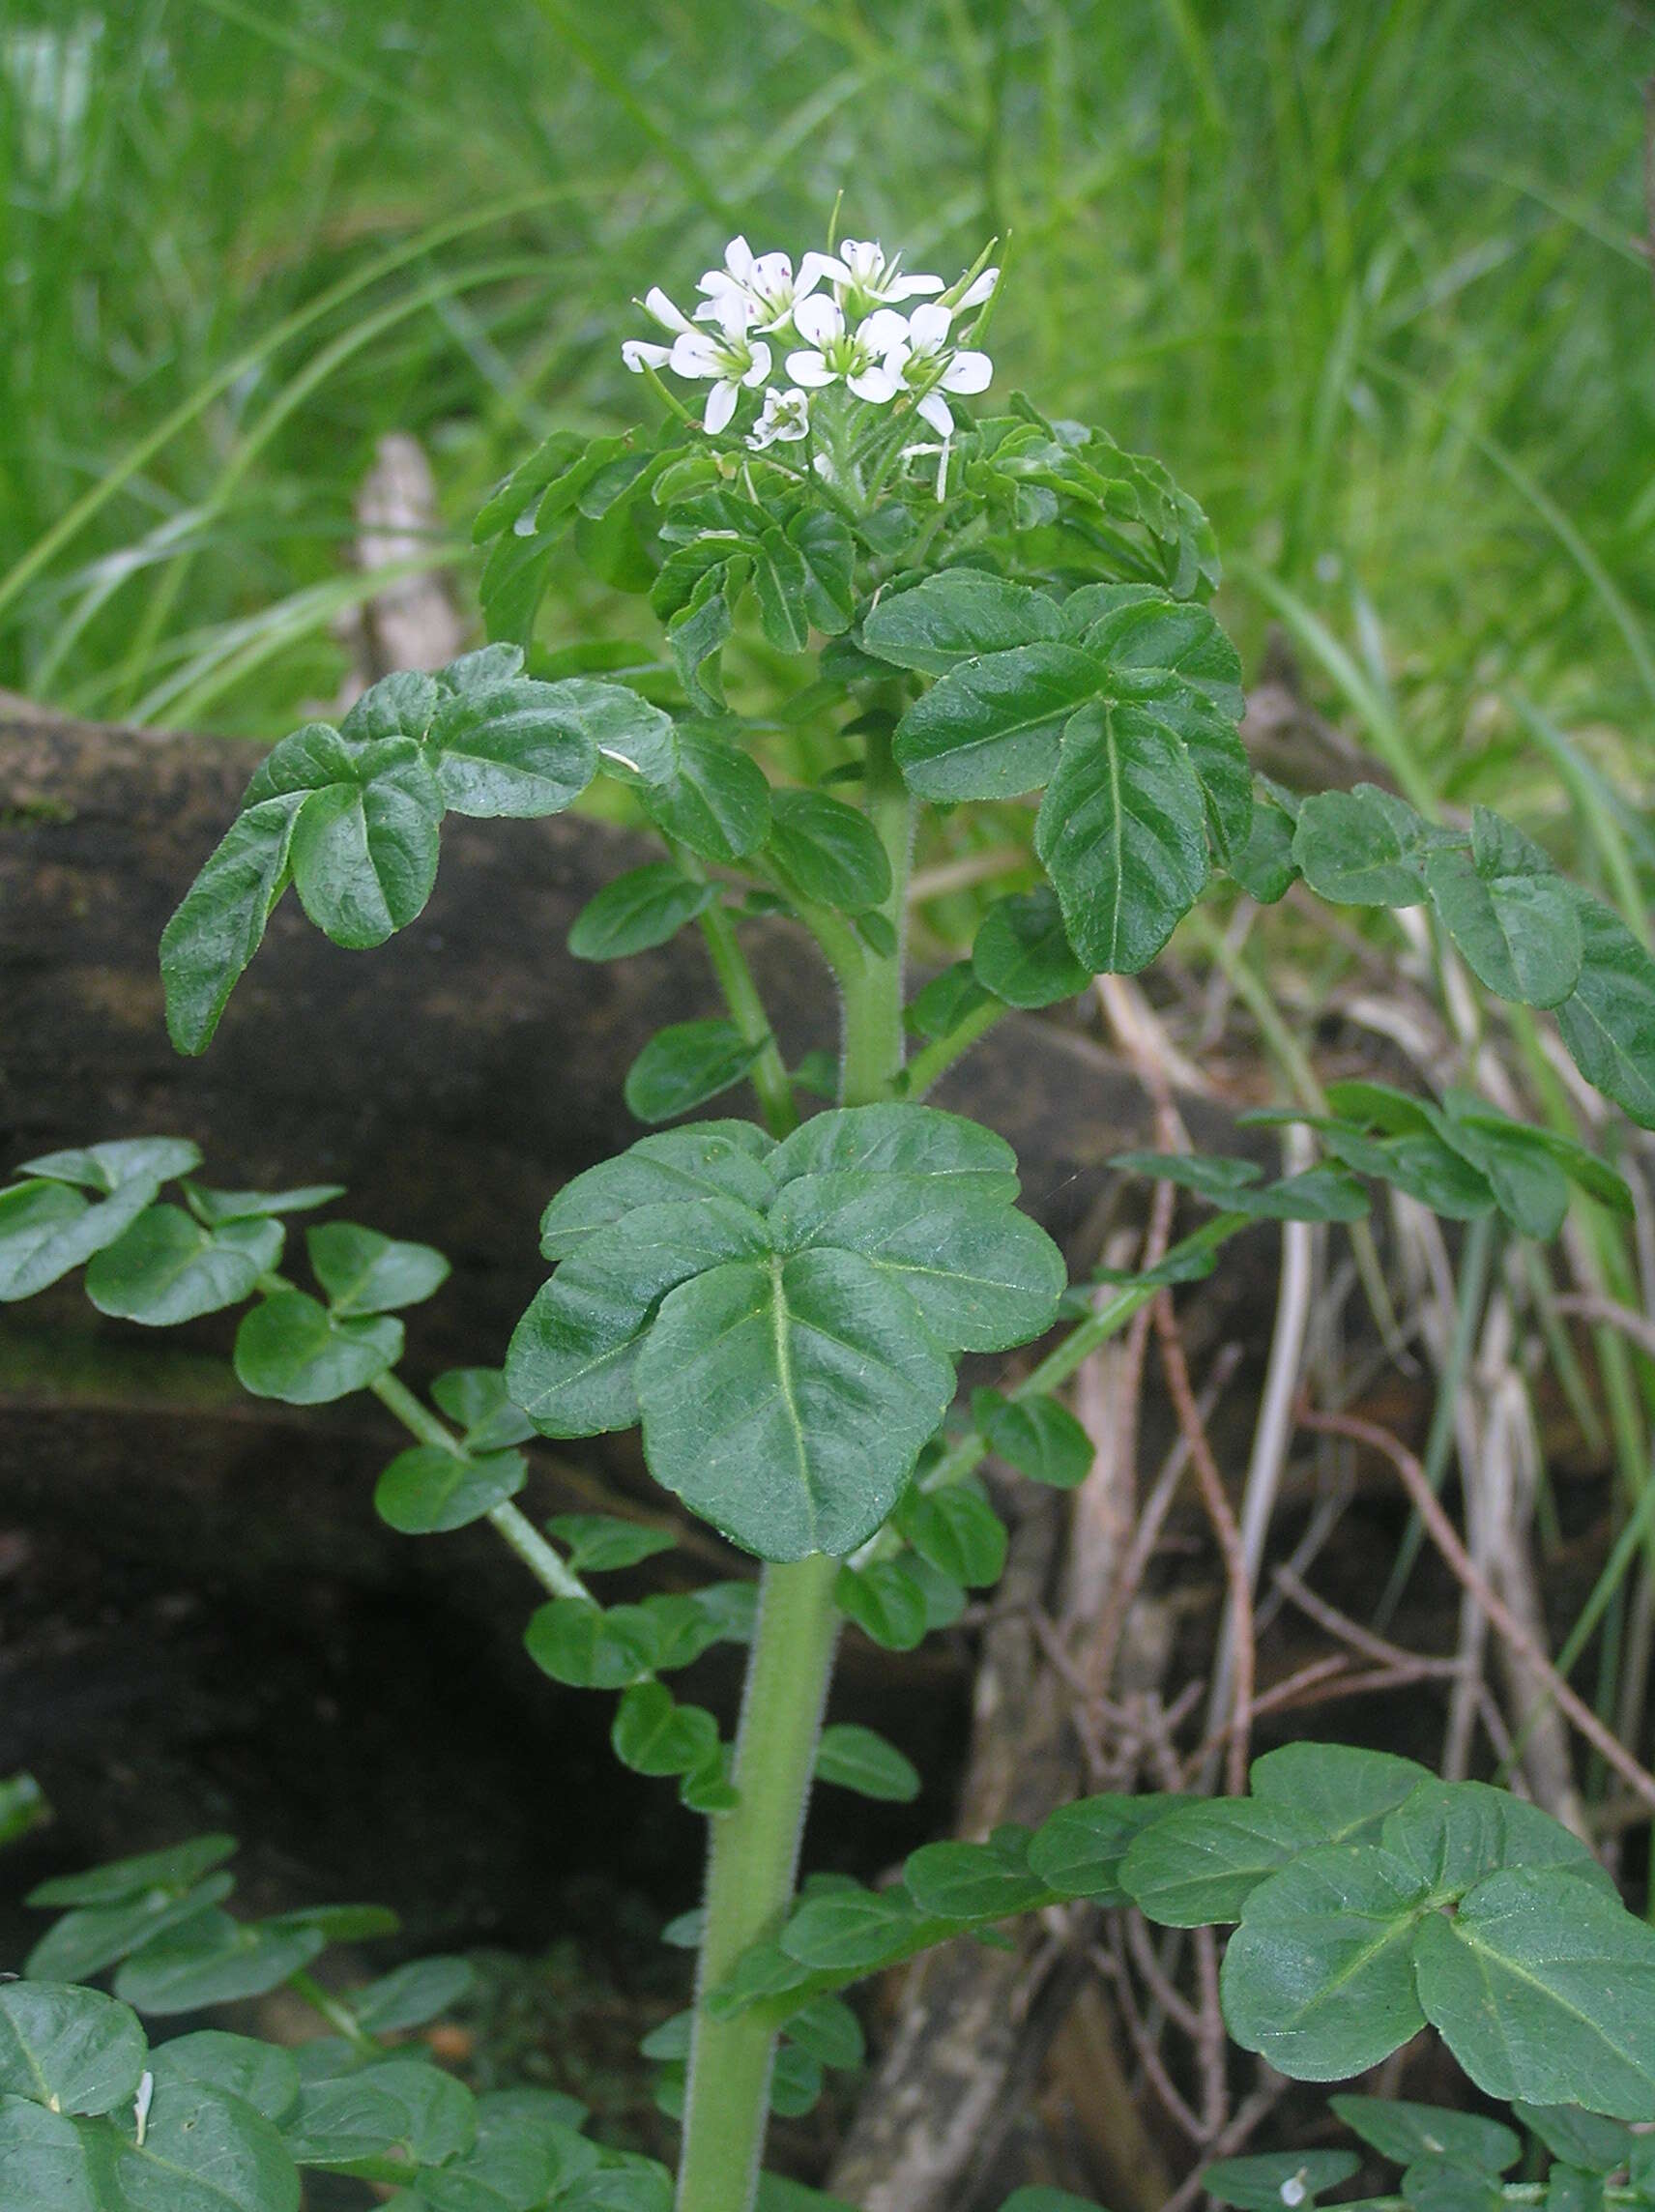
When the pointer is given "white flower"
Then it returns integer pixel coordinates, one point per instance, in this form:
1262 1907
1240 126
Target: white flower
923 362
975 294
758 288
865 276
833 351
786 419
726 354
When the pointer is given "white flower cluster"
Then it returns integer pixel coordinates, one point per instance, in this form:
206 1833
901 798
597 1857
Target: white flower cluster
837 320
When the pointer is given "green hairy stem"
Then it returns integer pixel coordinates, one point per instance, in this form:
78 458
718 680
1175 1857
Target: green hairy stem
753 1860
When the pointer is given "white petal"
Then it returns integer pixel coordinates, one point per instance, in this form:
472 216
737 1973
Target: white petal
884 330
817 319
665 313
721 406
928 327
911 287
695 354
770 272
810 369
876 383
636 352
896 361
761 367
968 372
811 271
718 286
975 294
738 258
935 409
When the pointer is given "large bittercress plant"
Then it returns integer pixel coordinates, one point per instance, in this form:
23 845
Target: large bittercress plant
996 606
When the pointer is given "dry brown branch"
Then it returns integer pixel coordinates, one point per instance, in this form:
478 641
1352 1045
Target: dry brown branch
1446 1538
1226 1532
1348 1631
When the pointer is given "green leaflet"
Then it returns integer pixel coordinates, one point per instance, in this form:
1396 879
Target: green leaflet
1199 1864
707 793
638 910
1173 660
213 1960
166 1267
261 2073
990 729
71 2048
1366 846
983 1275
956 1530
519 748
888 1601
1544 1989
1345 1789
1607 1021
1079 1849
1318 1978
1022 952
1403 2132
382 2120
293 1349
176 1868
1123 832
1453 1834
221 923
572 1360
410 1995
859 1759
1278 2178
785 1401
712 1159
1508 911
1037 1436
364 848
829 854
94 1936
364 1272
204 2150
955 617
42 2157
686 1063
426 1490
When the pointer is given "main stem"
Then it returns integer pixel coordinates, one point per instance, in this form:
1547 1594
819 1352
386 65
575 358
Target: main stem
754 1857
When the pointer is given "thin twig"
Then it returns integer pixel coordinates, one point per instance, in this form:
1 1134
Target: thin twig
1348 1631
1225 1529
1445 1537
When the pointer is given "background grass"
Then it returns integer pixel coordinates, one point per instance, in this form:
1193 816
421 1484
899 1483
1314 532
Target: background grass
1365 277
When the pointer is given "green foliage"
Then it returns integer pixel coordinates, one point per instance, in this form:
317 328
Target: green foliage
886 1245
1371 1898
782 1313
